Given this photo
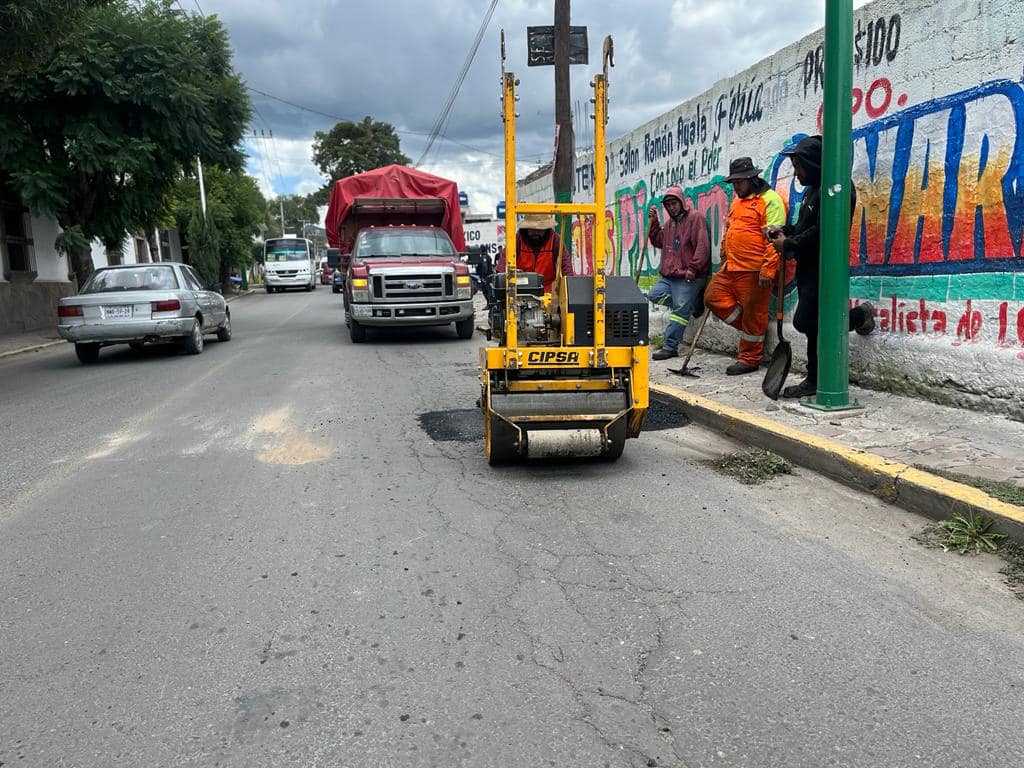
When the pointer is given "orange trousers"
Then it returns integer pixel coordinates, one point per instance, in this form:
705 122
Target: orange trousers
738 299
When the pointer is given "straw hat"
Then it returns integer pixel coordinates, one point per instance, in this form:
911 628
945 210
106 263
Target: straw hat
535 221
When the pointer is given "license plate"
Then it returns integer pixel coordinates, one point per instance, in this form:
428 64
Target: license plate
117 313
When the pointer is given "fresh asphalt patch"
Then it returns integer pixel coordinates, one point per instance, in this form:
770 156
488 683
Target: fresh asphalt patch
466 425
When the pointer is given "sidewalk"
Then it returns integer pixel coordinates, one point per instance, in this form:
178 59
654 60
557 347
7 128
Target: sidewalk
904 429
32 341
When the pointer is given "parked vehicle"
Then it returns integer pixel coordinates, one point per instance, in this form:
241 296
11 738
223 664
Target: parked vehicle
288 262
139 304
325 272
337 281
399 232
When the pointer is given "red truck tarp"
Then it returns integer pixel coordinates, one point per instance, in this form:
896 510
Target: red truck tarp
393 181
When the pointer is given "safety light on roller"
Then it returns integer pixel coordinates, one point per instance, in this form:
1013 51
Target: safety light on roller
69 311
170 305
360 289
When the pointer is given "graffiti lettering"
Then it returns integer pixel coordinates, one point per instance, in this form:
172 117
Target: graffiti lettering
691 131
937 193
657 147
879 42
629 160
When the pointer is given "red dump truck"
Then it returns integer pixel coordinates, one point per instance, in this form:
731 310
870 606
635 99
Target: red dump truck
399 232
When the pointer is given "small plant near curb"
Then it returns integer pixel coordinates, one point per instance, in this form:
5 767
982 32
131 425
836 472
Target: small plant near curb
657 341
964 533
754 467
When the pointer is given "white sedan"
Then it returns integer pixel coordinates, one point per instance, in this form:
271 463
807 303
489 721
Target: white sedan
142 303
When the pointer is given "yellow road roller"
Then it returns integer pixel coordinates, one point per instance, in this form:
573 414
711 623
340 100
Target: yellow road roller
572 359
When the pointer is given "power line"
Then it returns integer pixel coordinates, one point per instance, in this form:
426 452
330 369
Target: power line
442 118
339 118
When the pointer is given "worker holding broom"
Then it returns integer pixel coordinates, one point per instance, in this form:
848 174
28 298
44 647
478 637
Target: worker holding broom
685 264
741 290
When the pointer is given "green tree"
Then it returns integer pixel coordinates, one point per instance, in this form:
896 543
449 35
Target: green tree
350 148
32 28
99 135
223 239
298 210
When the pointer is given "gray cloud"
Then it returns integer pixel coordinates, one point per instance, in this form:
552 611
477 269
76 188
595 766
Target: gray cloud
397 61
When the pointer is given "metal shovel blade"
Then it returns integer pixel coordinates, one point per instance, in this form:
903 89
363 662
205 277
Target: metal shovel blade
778 370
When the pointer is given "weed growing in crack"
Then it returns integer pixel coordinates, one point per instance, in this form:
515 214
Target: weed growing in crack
964 533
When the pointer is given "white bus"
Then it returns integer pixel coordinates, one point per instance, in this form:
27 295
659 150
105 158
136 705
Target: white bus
289 262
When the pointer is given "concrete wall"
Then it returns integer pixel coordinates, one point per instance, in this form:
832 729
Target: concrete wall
938 162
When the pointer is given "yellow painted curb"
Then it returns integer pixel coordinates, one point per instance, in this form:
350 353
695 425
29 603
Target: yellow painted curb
898 483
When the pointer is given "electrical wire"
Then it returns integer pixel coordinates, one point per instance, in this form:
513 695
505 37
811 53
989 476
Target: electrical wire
442 118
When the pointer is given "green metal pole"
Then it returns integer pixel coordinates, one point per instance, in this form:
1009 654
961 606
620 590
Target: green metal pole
834 285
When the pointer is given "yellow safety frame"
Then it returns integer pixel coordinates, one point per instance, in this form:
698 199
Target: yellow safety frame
599 358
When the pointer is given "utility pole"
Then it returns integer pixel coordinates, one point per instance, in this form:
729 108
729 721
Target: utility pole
564 155
834 283
281 203
202 187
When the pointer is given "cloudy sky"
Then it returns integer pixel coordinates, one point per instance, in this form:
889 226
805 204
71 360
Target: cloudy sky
397 60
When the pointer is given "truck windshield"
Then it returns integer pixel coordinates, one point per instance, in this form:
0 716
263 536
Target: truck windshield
286 249
390 242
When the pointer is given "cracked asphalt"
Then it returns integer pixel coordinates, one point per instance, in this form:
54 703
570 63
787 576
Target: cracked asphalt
257 557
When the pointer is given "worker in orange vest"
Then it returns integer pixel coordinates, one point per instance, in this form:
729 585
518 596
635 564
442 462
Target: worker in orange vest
740 291
538 249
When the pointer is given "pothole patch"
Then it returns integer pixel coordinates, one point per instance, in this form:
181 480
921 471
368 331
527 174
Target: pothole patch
466 425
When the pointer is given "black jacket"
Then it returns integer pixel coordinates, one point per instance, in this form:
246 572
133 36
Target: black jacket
803 239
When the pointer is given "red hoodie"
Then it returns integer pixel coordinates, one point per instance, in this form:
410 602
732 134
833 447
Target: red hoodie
688 250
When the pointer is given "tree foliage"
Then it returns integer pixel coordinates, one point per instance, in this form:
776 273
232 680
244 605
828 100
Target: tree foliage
98 136
222 240
32 28
298 210
350 148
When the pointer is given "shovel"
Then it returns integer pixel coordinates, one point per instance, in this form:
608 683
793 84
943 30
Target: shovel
685 370
782 357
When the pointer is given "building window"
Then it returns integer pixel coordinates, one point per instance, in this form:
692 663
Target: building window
15 240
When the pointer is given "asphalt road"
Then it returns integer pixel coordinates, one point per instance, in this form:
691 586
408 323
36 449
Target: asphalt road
257 557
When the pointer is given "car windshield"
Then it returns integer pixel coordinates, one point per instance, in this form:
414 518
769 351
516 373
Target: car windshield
425 242
131 279
286 250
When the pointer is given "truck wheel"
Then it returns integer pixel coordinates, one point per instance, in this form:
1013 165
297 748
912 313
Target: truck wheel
87 353
356 332
466 328
500 442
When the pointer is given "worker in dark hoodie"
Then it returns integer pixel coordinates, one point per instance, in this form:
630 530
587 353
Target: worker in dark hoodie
801 241
685 264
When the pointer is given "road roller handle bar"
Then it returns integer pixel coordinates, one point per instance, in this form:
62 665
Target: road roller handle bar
596 209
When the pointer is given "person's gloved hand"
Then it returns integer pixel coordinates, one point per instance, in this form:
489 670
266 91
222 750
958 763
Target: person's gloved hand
689 274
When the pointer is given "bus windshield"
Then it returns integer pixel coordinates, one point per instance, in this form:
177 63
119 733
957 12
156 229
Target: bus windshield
286 249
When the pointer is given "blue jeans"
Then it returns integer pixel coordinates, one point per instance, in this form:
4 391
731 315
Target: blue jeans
679 296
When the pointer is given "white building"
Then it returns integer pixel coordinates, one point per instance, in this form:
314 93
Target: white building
34 275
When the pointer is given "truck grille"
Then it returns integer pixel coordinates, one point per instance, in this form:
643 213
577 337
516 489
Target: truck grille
414 286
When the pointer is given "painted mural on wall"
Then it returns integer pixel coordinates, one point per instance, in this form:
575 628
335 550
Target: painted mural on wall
938 163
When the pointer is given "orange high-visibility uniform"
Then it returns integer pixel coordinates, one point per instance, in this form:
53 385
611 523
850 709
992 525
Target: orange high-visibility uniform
735 294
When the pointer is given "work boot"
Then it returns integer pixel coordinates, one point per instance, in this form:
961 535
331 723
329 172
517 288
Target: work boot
868 325
739 368
805 388
664 354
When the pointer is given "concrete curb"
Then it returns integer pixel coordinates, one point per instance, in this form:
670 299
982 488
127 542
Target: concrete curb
33 348
236 296
899 484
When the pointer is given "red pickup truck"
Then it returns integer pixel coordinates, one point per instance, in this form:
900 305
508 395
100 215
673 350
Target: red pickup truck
399 231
